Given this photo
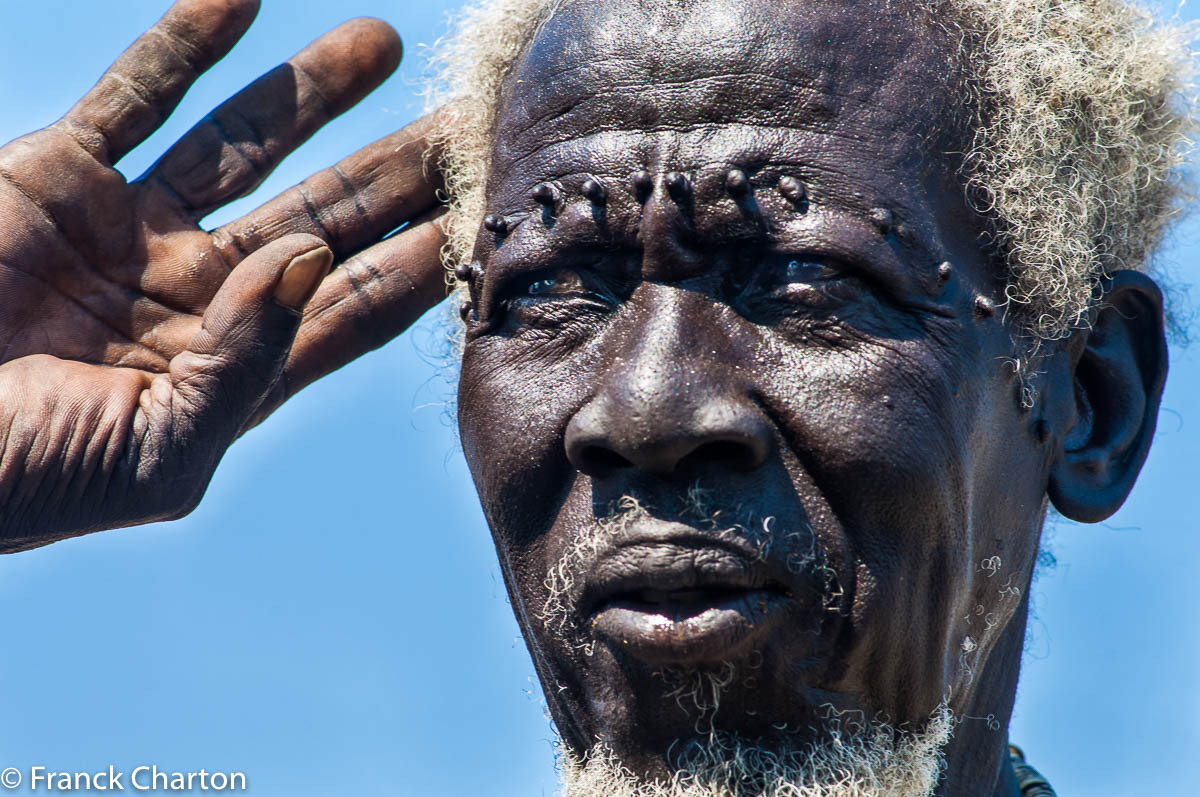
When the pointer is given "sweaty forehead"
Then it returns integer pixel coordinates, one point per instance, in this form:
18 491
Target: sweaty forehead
691 83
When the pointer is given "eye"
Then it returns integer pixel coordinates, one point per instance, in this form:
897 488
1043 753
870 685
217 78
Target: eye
803 278
554 298
801 281
808 270
549 285
542 286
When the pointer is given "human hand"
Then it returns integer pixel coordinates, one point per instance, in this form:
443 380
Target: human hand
137 345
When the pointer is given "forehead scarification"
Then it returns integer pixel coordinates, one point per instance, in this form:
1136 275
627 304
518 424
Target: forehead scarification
659 73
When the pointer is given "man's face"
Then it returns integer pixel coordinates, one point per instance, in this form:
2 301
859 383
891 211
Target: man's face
736 401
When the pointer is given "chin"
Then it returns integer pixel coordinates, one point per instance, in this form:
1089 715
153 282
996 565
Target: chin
851 759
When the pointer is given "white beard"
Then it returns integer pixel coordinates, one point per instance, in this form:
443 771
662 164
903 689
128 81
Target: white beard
879 763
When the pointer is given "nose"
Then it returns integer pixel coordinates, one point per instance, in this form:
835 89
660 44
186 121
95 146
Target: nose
605 437
672 402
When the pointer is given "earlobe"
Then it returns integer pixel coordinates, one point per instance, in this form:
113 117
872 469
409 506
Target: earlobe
1116 381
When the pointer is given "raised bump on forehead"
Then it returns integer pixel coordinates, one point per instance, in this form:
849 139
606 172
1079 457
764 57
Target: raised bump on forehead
669 86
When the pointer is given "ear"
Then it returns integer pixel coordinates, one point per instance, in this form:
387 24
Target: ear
1117 372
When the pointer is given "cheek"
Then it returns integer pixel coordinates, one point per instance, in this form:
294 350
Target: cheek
883 427
513 411
897 438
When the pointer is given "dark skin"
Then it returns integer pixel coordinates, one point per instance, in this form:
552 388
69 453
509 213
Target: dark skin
829 358
799 355
138 345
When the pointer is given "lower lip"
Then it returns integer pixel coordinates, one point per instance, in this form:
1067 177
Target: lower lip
690 633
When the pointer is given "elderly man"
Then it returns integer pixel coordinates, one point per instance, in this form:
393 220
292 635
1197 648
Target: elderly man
782 324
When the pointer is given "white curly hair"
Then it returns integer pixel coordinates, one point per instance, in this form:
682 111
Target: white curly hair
1080 118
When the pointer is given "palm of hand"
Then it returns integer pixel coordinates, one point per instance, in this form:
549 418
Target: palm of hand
136 345
101 271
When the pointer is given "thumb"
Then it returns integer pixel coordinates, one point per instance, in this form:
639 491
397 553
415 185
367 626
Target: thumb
237 356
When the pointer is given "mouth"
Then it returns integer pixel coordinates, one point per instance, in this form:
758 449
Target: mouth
677 603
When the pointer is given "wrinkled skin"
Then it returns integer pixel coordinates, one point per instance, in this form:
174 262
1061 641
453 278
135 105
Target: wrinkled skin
137 345
862 398
854 412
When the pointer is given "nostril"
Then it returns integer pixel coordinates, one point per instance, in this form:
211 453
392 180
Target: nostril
598 460
606 439
742 455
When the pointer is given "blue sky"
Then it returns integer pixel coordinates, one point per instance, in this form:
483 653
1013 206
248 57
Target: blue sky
331 620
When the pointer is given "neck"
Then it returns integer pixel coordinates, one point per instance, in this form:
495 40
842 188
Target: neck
977 761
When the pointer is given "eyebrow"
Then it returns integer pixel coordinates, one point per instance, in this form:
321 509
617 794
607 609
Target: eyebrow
852 236
890 216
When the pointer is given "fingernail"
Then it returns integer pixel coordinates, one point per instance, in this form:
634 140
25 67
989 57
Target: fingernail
302 277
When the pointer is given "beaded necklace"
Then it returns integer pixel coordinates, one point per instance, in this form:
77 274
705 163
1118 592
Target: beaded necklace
1032 782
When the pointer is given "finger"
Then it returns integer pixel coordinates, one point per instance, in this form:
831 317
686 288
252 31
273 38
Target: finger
143 86
361 305
235 147
232 363
352 204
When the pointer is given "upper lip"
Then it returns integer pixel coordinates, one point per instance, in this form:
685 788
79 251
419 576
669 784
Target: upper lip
671 562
